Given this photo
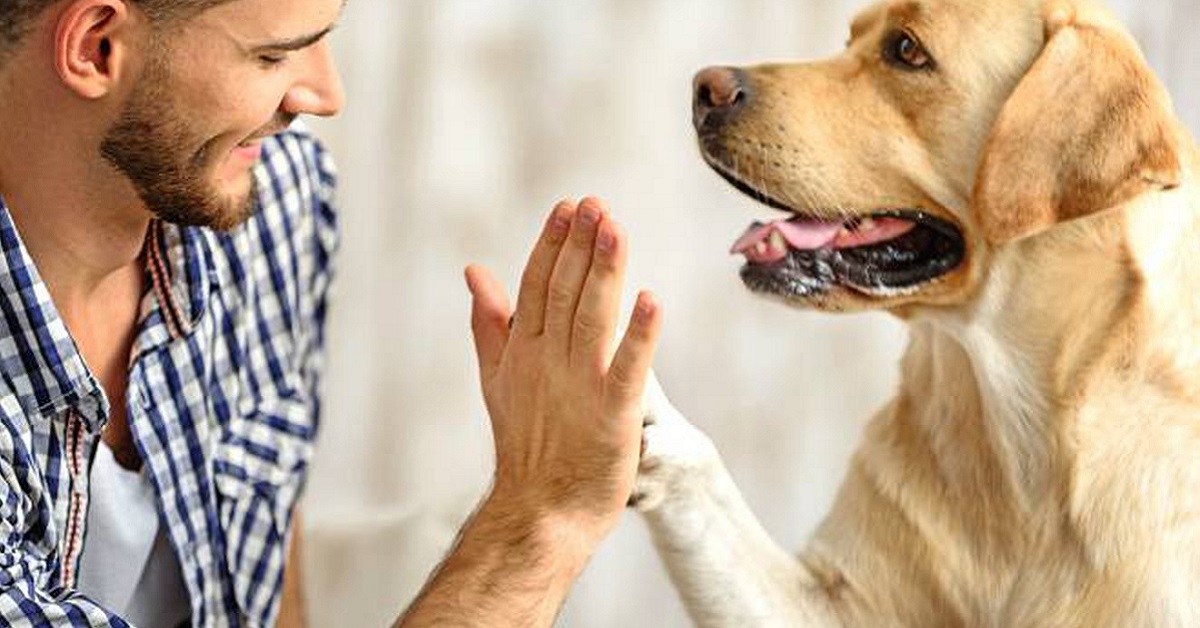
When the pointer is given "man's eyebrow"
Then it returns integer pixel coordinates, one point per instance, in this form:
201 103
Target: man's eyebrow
290 45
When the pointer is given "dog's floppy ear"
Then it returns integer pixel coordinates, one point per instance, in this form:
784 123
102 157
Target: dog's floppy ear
1088 128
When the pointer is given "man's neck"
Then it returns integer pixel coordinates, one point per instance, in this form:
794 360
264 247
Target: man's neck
77 242
85 235
81 221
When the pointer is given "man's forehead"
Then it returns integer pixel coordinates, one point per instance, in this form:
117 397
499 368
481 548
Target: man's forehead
258 20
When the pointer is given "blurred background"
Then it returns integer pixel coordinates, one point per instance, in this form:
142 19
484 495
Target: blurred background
466 121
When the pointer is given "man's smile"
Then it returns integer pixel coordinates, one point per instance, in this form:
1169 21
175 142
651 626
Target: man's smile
249 151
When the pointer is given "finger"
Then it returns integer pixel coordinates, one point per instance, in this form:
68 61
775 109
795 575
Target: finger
631 365
566 283
596 316
531 300
490 313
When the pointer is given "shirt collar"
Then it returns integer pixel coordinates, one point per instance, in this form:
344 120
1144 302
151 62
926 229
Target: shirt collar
180 267
38 357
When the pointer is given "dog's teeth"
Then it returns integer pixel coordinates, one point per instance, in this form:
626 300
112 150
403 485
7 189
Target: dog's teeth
760 248
867 224
777 241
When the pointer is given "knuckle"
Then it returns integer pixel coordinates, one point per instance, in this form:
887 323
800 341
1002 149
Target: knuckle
534 276
561 294
605 265
638 335
636 339
531 292
581 236
622 380
580 243
589 328
551 240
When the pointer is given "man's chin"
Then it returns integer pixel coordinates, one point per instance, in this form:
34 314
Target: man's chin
234 212
236 206
236 182
213 208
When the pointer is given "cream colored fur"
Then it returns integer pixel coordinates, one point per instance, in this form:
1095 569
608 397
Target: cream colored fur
1040 465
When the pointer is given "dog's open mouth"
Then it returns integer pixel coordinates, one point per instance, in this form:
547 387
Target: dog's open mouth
884 253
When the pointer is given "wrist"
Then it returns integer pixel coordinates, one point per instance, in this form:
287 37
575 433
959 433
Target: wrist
557 545
512 566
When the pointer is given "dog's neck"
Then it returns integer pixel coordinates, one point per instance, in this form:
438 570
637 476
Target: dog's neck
1111 301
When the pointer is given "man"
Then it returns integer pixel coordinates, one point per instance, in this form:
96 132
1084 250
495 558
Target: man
166 236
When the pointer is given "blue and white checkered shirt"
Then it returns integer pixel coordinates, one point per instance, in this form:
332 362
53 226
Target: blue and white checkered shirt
222 403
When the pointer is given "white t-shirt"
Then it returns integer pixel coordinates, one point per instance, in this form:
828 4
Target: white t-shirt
128 565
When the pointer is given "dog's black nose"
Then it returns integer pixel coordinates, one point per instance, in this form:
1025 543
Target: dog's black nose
718 94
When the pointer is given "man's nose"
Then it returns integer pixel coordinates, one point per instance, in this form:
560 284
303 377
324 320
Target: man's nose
719 93
319 92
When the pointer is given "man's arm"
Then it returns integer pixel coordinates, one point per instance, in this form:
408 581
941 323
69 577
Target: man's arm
505 570
566 417
28 598
291 606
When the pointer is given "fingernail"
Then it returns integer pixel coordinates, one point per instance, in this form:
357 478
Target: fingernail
590 214
606 241
645 308
560 222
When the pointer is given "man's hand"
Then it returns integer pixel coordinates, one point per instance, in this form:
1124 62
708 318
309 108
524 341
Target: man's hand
566 416
566 413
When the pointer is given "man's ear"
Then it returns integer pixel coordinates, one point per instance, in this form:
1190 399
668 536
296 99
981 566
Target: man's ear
90 45
1088 128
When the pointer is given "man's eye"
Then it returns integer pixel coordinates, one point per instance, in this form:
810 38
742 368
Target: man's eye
272 61
905 51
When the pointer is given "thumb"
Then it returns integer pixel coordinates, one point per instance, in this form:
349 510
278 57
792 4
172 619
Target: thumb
490 312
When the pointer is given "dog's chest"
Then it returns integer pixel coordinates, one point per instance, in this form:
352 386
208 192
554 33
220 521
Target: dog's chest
1120 553
1066 592
1112 541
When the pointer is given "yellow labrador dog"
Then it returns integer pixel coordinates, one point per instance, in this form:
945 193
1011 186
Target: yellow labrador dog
1007 177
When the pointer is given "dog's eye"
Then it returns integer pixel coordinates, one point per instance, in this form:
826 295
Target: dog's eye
904 50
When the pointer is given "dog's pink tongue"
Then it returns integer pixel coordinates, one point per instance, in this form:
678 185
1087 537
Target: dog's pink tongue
769 243
759 247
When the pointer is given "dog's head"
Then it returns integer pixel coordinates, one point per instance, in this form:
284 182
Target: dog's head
947 130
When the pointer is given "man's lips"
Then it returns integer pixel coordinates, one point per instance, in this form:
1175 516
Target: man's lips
251 147
250 151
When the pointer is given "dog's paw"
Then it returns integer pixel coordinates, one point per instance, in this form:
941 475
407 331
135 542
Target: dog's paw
676 457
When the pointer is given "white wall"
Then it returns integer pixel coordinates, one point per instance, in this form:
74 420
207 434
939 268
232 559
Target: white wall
467 119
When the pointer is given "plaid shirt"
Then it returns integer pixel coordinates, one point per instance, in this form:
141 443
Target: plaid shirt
222 403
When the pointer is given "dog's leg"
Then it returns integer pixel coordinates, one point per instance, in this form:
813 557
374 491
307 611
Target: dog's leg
729 572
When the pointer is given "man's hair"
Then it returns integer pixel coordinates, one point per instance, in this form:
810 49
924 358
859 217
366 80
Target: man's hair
16 16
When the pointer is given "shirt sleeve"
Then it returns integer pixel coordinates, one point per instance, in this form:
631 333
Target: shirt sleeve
325 242
302 255
28 557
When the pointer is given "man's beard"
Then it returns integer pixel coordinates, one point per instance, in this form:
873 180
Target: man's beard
149 145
